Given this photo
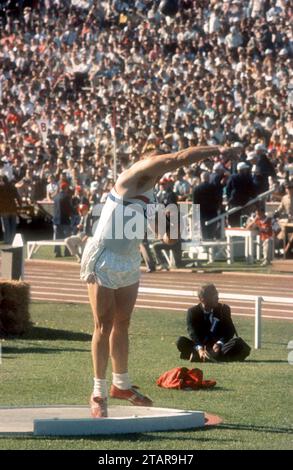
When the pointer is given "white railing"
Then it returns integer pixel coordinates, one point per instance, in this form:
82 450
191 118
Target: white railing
225 214
257 299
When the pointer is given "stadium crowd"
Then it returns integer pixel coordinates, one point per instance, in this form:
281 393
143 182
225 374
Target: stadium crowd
82 79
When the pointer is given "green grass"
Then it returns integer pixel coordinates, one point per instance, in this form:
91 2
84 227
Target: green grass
47 253
51 365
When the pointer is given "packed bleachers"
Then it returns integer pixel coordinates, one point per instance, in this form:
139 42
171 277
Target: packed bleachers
76 73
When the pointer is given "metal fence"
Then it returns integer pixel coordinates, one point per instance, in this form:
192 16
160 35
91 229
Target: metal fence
258 301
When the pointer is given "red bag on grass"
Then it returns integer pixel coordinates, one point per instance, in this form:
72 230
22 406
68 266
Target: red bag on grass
181 378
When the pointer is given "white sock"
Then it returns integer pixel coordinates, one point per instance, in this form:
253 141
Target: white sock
100 388
121 381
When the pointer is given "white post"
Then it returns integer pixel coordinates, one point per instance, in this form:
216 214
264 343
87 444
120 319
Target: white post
250 247
113 132
18 243
230 249
115 158
223 227
257 323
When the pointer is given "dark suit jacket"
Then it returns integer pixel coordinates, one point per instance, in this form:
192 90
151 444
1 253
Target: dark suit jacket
239 189
63 209
205 333
207 196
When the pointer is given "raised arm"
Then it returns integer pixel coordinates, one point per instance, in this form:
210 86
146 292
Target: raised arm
143 175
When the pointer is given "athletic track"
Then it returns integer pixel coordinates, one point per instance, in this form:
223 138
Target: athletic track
59 282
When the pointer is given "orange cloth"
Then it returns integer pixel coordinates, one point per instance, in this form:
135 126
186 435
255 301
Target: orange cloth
181 378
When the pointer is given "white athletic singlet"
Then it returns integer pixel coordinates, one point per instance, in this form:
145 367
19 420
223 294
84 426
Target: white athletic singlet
112 254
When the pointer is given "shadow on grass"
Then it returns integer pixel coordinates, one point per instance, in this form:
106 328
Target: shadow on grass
272 361
216 388
278 343
169 435
255 428
50 334
38 350
202 434
133 437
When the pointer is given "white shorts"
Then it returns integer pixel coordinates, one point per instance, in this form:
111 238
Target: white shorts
115 271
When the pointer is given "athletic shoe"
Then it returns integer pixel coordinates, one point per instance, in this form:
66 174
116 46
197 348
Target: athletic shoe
98 407
150 270
131 395
162 267
265 263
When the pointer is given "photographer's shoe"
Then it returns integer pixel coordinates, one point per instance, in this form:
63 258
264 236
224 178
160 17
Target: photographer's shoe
210 356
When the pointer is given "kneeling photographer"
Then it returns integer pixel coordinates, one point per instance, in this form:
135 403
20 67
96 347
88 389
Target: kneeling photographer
211 331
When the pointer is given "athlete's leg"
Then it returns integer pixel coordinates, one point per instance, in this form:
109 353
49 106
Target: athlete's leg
125 299
102 301
121 387
103 307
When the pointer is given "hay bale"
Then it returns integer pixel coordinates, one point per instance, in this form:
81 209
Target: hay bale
14 307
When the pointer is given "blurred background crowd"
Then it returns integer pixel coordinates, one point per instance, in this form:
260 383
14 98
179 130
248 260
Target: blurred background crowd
82 80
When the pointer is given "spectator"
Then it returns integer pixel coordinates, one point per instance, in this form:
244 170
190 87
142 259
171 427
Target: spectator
285 214
147 255
6 168
219 178
181 186
240 189
63 211
76 243
264 167
165 194
9 201
51 188
207 195
263 224
210 327
73 78
168 243
286 206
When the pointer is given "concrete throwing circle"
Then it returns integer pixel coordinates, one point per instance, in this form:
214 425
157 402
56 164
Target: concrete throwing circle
76 420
